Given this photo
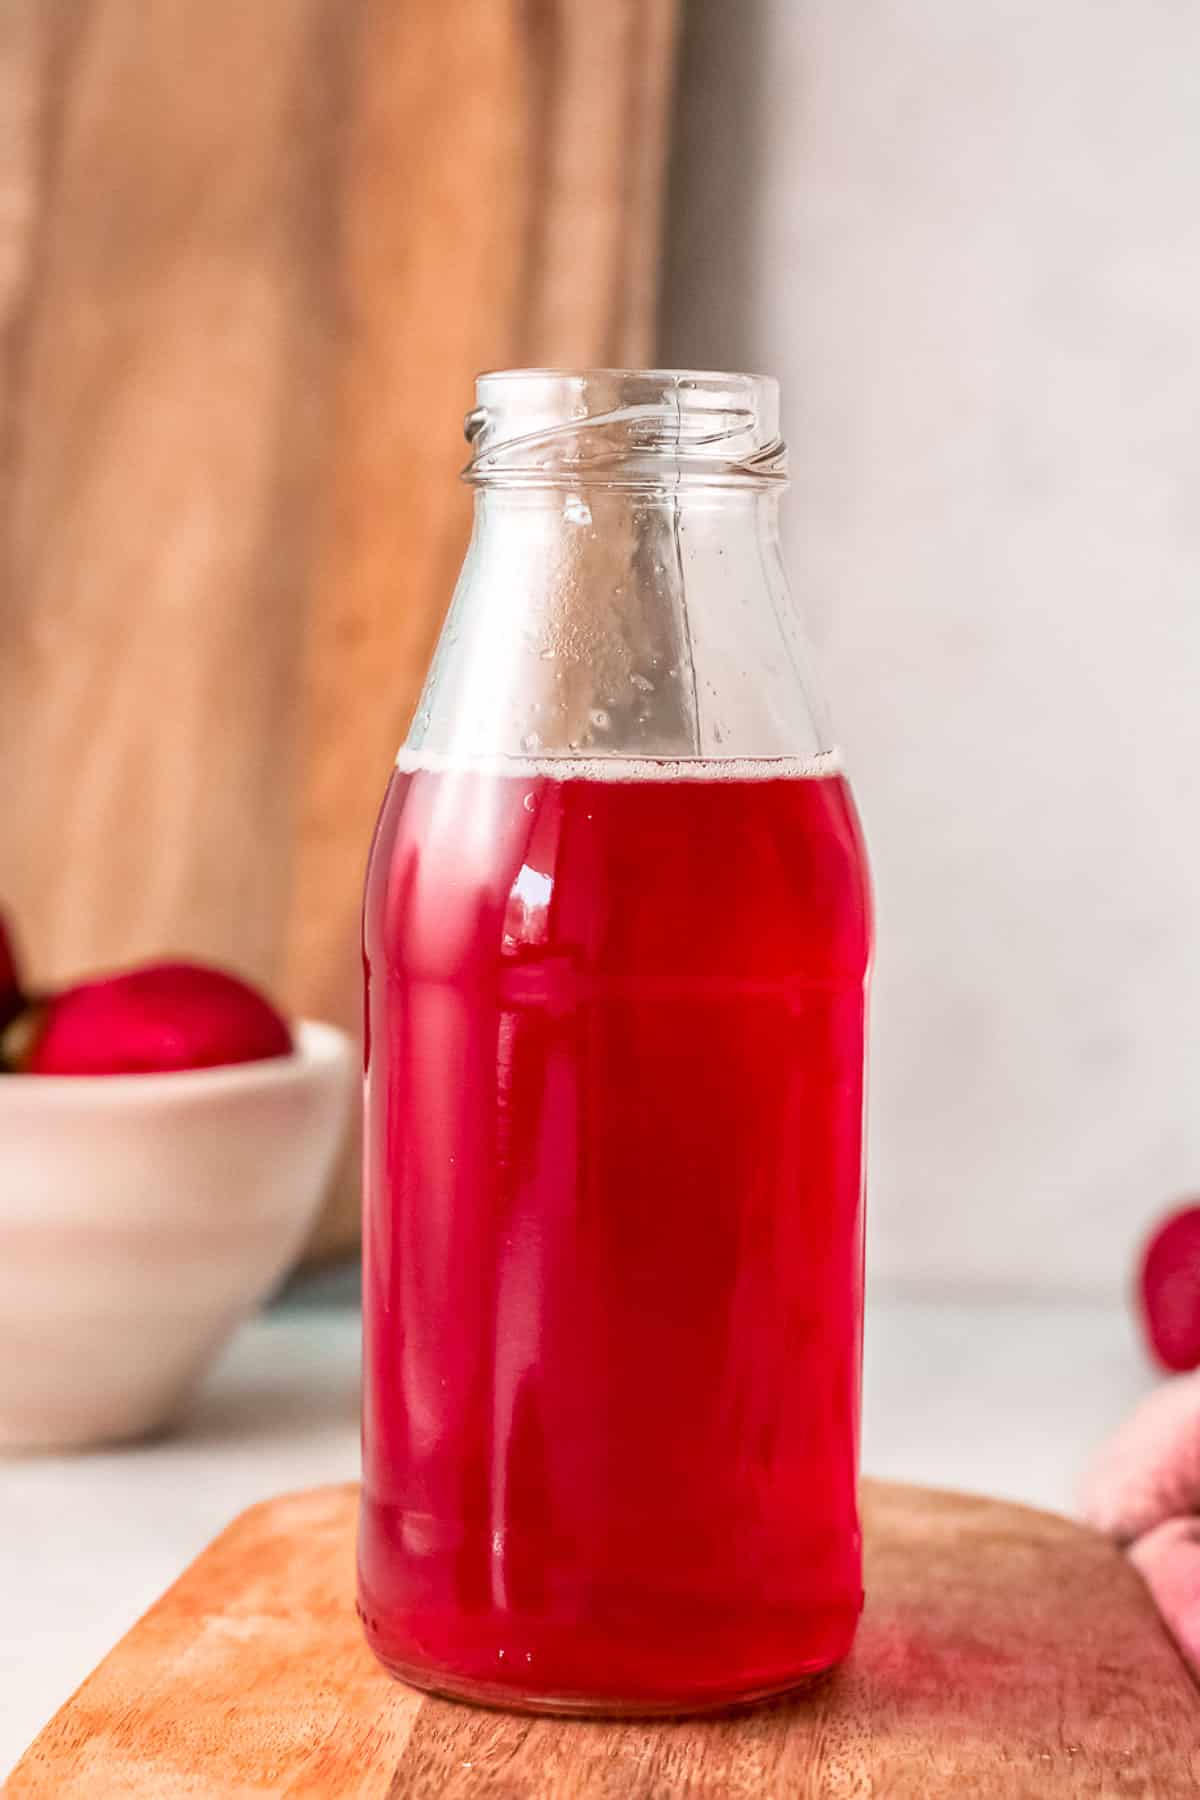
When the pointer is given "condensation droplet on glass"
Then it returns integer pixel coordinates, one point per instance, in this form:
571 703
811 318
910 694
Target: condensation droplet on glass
643 686
546 655
599 718
531 741
529 803
577 511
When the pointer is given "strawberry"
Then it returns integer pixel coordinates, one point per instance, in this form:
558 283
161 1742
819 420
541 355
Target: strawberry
11 998
165 1016
1169 1290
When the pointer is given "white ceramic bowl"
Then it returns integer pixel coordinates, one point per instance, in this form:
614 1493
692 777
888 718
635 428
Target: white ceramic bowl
142 1217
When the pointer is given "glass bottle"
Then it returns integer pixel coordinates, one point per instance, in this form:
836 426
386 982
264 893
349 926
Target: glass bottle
617 938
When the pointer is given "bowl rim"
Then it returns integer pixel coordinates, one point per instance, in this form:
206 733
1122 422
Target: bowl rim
317 1046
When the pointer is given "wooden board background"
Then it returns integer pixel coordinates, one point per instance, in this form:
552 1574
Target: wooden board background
1003 1653
250 257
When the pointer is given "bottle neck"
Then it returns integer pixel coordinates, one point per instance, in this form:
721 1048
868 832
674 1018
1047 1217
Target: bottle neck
597 620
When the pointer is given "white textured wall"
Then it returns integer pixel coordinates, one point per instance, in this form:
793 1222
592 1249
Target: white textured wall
967 236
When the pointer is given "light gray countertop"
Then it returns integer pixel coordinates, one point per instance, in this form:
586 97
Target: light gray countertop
1005 1397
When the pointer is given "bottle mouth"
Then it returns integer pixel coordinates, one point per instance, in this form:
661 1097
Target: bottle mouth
624 428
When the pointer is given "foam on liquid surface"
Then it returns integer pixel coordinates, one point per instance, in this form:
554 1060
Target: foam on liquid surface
571 767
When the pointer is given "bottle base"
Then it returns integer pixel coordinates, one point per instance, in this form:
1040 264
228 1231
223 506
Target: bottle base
718 1699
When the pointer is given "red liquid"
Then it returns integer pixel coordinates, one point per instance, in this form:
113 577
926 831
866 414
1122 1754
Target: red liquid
613 1241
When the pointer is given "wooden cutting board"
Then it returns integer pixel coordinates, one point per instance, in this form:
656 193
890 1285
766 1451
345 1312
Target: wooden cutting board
1003 1652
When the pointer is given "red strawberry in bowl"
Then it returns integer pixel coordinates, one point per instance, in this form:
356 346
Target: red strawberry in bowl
1169 1290
11 998
193 1168
163 1017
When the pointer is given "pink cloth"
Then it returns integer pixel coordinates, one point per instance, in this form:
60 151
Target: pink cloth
1144 1491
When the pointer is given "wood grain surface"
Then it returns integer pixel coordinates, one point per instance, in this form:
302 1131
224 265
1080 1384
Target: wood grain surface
1003 1652
250 258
